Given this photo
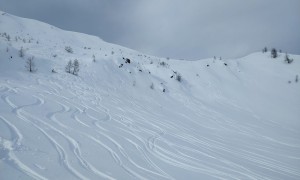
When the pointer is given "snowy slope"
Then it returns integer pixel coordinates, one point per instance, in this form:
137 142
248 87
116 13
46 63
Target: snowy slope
235 121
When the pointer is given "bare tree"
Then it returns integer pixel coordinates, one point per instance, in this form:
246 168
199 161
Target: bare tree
69 66
7 37
75 67
21 52
30 65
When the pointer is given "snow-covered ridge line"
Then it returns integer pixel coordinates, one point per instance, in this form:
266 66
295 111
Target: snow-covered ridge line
127 115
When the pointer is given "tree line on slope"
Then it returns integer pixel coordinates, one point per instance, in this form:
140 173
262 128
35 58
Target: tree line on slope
274 54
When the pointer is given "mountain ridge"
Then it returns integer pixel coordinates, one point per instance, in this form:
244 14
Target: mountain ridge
130 116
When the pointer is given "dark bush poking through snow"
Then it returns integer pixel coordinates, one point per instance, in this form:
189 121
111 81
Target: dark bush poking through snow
69 49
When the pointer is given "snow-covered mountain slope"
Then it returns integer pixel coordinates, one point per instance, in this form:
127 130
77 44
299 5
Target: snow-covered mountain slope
224 119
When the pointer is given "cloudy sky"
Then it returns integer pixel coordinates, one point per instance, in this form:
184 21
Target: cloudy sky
183 29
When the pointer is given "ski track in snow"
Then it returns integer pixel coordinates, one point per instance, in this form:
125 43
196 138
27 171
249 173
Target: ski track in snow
9 146
153 140
214 124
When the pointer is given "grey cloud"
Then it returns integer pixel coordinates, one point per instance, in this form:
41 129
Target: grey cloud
189 29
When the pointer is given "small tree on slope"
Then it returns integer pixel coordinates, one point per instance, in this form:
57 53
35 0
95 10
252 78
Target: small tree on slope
30 65
21 52
288 59
75 67
94 58
265 49
274 53
69 66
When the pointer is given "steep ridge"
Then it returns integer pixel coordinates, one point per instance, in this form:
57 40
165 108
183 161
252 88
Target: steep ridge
152 118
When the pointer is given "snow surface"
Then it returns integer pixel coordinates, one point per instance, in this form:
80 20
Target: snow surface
240 121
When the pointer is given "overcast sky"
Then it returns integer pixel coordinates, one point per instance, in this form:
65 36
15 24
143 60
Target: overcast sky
182 29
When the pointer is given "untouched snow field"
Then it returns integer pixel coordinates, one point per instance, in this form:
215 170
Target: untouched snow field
226 119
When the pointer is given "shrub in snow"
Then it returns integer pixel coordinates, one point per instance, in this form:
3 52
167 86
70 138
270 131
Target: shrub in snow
288 59
152 86
178 77
6 36
274 53
94 58
30 65
127 60
163 64
296 79
69 49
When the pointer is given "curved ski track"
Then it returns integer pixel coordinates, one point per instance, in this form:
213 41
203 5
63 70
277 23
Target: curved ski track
134 141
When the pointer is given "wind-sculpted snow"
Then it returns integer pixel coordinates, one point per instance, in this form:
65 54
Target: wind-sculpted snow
233 121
